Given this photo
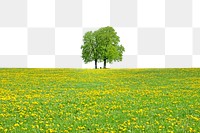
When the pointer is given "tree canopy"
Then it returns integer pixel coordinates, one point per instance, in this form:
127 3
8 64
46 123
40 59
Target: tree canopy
89 49
108 42
102 45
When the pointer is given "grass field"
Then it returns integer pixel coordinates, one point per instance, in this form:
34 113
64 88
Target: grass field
103 100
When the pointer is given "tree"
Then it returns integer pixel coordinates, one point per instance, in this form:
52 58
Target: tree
89 48
108 45
102 45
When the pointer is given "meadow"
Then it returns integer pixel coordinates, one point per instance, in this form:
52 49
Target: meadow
102 100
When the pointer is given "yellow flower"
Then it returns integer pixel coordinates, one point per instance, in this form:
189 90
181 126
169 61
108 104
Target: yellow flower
157 122
16 125
134 119
80 127
5 130
50 131
24 128
35 103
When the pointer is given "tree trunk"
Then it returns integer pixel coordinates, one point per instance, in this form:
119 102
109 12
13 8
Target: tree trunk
104 63
95 63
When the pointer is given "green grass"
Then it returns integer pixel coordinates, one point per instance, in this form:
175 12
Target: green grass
103 100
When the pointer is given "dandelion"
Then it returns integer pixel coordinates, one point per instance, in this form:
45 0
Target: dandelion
134 119
5 130
24 128
80 127
16 125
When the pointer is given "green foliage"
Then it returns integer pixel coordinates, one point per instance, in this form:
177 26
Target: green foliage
109 44
89 49
102 45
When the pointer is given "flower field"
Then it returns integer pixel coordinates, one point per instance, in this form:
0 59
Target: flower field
102 100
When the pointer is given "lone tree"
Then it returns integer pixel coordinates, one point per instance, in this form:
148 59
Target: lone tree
89 48
109 47
102 45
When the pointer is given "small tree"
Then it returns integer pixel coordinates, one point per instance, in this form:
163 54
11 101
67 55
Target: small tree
89 48
109 47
